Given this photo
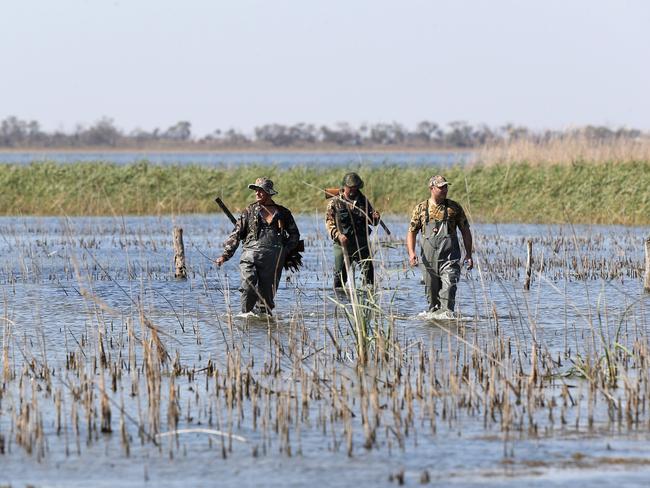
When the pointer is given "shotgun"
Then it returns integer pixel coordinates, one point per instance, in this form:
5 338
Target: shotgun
334 192
226 211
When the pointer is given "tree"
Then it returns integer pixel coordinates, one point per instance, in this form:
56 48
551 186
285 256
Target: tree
428 131
343 135
461 135
181 131
235 138
276 134
12 131
387 134
103 133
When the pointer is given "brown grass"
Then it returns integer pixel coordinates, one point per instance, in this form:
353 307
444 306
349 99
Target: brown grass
566 150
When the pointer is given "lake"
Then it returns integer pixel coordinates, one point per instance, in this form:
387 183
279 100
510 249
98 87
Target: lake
114 370
230 159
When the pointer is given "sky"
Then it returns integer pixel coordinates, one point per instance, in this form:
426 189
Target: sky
544 64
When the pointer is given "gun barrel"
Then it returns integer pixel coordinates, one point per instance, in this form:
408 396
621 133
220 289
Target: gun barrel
226 211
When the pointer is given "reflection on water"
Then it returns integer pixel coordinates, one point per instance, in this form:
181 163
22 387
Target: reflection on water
74 291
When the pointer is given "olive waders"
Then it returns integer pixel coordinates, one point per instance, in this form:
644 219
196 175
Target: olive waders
352 222
441 259
360 255
261 268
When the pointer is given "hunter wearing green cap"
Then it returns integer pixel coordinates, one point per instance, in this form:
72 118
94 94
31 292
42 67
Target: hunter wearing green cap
438 218
270 233
347 219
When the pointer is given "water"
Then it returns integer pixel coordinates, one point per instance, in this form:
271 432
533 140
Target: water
230 159
65 279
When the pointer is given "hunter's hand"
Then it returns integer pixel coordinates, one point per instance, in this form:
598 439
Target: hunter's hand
469 262
413 260
376 216
220 260
343 240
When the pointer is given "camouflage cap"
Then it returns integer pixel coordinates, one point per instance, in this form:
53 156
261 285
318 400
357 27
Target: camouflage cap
352 179
263 184
438 181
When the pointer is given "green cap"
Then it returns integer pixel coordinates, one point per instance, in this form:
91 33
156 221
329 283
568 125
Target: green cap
352 179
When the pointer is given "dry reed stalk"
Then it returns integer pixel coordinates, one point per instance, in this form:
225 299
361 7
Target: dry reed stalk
58 404
173 411
105 408
125 439
88 403
6 339
646 282
74 420
347 431
368 431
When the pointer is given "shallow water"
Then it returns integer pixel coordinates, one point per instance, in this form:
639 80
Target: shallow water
64 280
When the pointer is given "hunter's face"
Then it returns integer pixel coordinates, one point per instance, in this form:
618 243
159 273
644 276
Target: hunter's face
439 192
261 196
350 191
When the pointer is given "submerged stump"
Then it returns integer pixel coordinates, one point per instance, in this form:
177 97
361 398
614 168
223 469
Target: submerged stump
529 264
180 271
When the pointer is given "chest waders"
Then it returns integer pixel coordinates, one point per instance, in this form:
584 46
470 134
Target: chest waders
441 259
352 223
260 266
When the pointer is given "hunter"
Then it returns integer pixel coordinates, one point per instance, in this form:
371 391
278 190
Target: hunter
438 218
348 219
270 234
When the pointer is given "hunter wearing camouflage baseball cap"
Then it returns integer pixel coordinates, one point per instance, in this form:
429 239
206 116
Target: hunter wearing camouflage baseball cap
438 181
264 184
439 219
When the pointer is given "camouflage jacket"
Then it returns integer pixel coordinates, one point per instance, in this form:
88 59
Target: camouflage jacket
349 217
248 227
426 213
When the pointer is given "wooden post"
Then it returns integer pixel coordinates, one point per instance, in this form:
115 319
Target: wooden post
179 254
646 283
529 264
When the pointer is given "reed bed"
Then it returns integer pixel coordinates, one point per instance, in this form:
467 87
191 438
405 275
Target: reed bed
566 150
134 371
609 192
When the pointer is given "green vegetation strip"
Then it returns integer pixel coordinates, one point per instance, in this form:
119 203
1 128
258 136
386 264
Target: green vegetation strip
610 193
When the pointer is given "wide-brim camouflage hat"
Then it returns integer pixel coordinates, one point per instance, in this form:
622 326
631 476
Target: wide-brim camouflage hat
263 184
438 181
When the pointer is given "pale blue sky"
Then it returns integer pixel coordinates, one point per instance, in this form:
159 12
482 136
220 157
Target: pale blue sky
243 63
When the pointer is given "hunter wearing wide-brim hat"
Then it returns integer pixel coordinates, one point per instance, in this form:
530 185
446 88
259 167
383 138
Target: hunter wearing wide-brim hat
269 233
347 219
438 218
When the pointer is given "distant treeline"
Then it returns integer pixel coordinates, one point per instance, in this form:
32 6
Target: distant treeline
17 133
